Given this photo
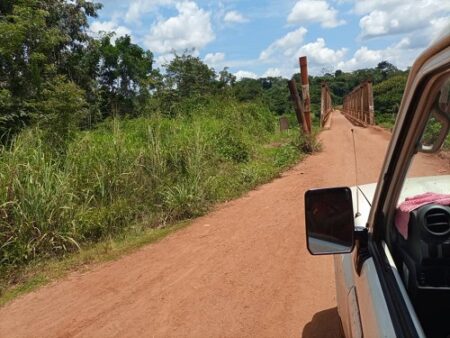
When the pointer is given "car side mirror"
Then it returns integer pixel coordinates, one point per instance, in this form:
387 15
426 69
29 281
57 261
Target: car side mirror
330 224
435 132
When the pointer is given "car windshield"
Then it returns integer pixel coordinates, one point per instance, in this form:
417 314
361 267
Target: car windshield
430 172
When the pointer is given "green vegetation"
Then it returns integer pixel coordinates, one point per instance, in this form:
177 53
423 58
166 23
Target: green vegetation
99 146
50 65
387 98
433 130
145 172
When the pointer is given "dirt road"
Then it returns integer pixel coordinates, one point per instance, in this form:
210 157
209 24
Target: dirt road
242 270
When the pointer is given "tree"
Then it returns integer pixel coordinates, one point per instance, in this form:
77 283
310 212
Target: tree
189 76
248 89
226 79
276 95
37 41
188 82
125 75
60 111
386 69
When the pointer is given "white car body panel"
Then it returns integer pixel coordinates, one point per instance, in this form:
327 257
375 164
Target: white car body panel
368 311
375 317
362 299
369 302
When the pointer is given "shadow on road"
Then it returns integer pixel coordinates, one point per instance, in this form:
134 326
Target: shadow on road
324 324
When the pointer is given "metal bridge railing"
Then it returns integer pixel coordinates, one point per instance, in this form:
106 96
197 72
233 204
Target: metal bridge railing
358 105
326 106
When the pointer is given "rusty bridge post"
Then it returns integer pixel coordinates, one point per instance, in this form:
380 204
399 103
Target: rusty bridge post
325 104
305 90
322 103
298 105
360 98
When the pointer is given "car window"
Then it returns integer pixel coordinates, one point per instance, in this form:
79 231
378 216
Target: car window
430 172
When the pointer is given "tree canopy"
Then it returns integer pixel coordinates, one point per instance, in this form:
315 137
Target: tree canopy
47 54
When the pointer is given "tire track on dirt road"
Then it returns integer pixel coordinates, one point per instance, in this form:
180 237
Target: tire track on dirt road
242 270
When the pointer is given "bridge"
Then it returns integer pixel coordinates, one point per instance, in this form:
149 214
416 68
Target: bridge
358 105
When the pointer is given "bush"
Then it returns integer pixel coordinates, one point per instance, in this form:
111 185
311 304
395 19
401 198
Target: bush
388 94
159 169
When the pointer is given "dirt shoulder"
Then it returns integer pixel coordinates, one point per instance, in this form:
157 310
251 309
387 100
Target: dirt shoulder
242 270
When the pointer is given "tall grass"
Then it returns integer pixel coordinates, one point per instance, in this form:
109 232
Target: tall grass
150 171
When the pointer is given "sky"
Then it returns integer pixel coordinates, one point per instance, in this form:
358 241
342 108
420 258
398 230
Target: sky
260 38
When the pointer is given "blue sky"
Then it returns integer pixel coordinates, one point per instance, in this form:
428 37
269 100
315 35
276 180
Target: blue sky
266 37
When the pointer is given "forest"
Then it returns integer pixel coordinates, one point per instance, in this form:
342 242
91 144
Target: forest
96 141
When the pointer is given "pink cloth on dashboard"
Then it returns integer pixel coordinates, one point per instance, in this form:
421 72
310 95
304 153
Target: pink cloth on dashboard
412 203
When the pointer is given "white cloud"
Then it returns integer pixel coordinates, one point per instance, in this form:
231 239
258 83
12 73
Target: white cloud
191 28
214 59
441 27
401 54
377 23
283 54
287 45
322 58
138 8
241 74
362 58
319 54
308 11
234 16
398 17
164 59
98 27
367 6
417 24
272 72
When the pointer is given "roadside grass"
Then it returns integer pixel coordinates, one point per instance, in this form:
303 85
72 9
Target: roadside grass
386 121
128 183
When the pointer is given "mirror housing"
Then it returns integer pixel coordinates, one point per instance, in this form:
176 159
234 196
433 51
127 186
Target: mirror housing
330 224
435 133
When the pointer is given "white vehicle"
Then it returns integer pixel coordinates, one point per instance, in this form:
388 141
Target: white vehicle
392 261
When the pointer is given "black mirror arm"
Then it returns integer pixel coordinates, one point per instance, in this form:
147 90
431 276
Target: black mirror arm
362 248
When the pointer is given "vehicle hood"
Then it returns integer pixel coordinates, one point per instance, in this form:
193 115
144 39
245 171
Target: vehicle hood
412 186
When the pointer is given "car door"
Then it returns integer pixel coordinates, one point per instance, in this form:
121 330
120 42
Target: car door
361 304
371 297
429 72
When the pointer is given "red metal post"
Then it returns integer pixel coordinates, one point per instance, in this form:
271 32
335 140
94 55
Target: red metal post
305 90
323 103
298 105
